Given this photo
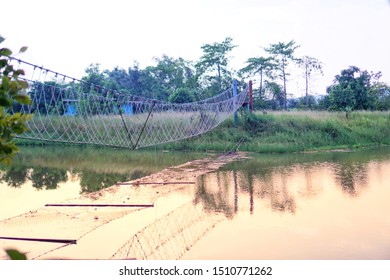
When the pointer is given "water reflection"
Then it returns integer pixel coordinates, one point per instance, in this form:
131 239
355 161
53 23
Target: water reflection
47 167
301 206
15 176
279 180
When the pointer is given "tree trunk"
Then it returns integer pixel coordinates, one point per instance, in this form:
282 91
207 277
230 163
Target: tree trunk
284 84
219 77
261 83
307 87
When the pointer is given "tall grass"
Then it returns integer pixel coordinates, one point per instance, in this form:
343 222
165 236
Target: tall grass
282 132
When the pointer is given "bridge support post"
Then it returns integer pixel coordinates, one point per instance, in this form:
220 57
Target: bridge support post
235 102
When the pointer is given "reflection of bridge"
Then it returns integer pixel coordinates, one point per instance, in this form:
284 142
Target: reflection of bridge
57 229
68 110
169 237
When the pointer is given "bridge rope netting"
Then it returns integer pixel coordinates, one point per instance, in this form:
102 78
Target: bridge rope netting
66 109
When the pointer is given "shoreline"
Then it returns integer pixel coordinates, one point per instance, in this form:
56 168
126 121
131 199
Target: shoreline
281 132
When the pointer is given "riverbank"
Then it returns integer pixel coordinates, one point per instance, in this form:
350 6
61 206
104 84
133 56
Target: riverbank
285 132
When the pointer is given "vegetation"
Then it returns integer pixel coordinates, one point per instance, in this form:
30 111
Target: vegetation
310 65
215 57
47 172
283 53
355 89
178 80
12 90
282 132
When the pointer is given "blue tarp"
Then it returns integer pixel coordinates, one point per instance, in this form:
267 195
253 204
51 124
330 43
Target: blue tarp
71 110
127 109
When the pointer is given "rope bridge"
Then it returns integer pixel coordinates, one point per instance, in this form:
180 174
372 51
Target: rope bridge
65 109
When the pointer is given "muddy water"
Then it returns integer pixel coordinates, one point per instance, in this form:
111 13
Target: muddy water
314 206
331 205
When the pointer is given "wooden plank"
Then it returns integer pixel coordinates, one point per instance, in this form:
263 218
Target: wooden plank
49 240
97 205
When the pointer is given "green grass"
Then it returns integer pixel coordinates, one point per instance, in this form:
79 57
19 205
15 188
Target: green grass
286 132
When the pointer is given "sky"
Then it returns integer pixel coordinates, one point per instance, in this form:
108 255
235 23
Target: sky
67 36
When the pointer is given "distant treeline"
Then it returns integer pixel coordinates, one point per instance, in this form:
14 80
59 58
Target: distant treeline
179 80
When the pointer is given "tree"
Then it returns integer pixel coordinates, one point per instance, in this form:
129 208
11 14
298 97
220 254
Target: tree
351 90
309 64
12 90
215 57
381 94
259 65
181 95
283 53
172 74
95 76
275 91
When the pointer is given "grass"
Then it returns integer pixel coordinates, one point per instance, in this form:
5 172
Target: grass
286 132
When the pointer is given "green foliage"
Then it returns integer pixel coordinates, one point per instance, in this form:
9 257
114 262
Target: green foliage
216 58
259 65
182 95
355 89
310 65
15 254
286 132
12 90
283 53
275 94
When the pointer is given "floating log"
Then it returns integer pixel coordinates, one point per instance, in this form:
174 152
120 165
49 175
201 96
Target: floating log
49 240
99 205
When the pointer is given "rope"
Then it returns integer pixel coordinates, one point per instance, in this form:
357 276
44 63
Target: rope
69 110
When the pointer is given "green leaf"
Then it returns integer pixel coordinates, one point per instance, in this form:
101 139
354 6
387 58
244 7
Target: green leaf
19 128
23 49
5 52
15 255
5 101
5 82
3 62
23 84
8 70
18 72
23 99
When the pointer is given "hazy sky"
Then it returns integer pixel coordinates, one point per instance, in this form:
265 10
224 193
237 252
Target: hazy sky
67 36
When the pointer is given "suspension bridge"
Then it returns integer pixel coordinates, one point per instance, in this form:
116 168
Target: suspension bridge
65 109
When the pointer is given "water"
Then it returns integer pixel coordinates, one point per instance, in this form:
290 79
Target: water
51 174
331 205
312 206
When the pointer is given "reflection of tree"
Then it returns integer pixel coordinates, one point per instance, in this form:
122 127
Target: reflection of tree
49 178
216 202
276 192
350 176
15 176
93 181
